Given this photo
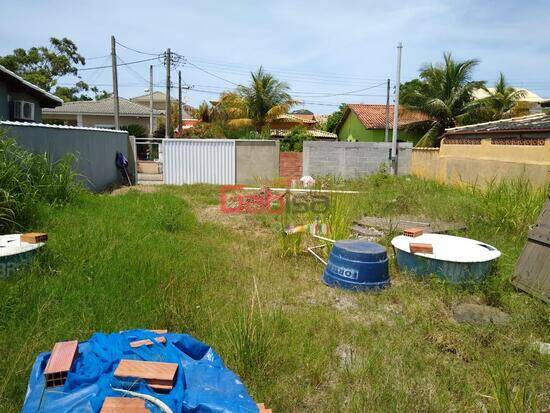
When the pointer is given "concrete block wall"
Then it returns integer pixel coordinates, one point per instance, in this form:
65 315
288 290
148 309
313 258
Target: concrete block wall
290 165
256 160
352 159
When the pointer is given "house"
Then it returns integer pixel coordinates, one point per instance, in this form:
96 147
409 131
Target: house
362 122
530 100
159 103
100 114
282 125
21 100
477 154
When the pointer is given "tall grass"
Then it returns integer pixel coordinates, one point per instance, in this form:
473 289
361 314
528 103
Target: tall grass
28 180
509 206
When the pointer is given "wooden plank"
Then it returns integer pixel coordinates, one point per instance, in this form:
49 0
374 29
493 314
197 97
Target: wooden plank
60 362
159 331
34 237
157 374
533 267
147 342
123 405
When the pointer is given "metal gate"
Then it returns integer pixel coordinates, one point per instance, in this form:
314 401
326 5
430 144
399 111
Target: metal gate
193 161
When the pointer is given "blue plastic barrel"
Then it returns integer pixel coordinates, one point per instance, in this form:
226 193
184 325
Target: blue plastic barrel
357 265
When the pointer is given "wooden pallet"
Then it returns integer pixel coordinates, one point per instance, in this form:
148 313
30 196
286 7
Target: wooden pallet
160 376
532 273
60 362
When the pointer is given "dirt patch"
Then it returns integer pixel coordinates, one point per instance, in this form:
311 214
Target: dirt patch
139 188
237 222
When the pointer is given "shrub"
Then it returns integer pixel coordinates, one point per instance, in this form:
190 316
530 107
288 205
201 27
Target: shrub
135 130
294 141
28 180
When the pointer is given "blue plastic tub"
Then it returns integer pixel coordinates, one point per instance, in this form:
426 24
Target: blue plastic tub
454 259
357 265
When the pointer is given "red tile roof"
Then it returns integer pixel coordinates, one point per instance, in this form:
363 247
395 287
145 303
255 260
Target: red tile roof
374 116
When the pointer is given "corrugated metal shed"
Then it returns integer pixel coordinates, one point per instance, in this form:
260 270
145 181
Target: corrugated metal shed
191 161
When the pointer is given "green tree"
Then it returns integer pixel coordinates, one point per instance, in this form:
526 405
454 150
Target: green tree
444 93
334 119
502 102
294 140
263 99
43 66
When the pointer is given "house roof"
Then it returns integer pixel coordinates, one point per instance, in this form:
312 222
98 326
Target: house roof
281 133
535 123
103 107
374 116
157 97
47 125
296 117
46 98
528 95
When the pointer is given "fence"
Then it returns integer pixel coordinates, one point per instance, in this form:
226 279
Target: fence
256 160
353 159
481 161
190 161
94 148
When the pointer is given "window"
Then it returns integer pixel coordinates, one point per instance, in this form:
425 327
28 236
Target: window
23 110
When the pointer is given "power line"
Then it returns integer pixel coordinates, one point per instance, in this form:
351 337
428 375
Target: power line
292 72
138 51
212 74
125 64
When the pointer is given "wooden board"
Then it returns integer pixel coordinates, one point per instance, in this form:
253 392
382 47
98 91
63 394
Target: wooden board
123 405
402 222
159 375
532 273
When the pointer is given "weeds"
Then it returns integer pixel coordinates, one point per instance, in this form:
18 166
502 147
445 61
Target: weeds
507 399
509 206
28 180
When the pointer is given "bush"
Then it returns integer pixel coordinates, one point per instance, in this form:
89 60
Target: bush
28 180
135 130
294 141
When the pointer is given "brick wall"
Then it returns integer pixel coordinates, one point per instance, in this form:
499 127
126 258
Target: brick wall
290 165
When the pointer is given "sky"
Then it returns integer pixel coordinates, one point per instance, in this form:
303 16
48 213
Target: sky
327 51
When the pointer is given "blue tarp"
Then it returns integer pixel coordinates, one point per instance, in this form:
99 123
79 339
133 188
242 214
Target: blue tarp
203 384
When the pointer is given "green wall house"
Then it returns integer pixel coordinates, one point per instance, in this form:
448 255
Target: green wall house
367 123
21 100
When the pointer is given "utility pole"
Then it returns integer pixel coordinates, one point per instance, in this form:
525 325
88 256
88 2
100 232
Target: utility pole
151 101
168 132
180 116
396 111
115 81
387 131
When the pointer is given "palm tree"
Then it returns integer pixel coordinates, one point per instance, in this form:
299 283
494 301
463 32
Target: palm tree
444 94
254 105
502 102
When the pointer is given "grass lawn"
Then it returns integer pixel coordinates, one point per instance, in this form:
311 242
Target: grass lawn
168 259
